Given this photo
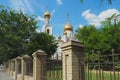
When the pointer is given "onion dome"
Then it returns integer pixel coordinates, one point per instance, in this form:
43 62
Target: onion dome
47 15
68 27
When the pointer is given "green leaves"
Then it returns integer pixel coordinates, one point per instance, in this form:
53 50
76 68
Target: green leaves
104 38
16 29
43 41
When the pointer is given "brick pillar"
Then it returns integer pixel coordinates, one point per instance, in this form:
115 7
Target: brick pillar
73 59
39 65
24 59
17 62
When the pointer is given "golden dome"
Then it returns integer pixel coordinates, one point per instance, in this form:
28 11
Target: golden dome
68 27
47 15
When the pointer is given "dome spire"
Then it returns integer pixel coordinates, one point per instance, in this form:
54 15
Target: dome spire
68 25
47 14
68 17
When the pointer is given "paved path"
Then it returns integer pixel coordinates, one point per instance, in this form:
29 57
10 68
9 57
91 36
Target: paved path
4 75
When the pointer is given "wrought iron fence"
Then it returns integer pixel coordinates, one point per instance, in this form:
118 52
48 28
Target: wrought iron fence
54 67
102 67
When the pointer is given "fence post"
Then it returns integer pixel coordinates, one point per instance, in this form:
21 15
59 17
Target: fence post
10 73
39 65
12 67
17 66
9 67
25 58
113 63
73 60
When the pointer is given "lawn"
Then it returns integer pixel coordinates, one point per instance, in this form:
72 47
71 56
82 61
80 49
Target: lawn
54 75
89 75
101 75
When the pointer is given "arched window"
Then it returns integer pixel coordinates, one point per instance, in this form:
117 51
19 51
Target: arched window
48 31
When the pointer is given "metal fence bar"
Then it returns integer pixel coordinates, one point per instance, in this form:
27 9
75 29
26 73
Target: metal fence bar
54 67
113 64
99 65
102 75
102 67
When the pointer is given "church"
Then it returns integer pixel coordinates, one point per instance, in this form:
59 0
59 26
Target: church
67 33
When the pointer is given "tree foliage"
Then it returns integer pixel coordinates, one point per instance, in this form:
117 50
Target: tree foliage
104 38
89 36
15 30
18 34
43 41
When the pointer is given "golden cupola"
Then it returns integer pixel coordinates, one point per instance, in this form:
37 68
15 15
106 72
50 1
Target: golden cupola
68 27
47 15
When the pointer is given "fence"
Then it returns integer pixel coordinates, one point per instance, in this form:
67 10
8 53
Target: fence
70 65
54 67
102 67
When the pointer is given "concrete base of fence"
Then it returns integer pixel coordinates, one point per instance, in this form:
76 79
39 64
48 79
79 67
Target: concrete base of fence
14 75
28 78
11 73
18 76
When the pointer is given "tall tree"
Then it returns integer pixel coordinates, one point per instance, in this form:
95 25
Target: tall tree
18 35
90 36
104 38
16 28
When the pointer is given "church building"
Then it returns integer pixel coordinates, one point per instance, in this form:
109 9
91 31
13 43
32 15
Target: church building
67 33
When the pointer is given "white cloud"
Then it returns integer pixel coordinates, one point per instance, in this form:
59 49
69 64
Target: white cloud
108 13
91 18
39 18
24 5
97 19
59 2
81 26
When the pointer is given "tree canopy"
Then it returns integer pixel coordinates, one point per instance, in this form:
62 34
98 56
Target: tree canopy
104 38
43 41
18 34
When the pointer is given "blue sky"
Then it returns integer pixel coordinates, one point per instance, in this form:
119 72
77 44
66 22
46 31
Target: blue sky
89 12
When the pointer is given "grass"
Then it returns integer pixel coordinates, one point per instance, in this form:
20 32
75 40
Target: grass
54 75
89 75
101 75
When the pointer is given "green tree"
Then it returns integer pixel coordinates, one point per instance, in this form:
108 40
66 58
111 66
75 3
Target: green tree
104 38
90 36
19 36
111 37
16 28
42 41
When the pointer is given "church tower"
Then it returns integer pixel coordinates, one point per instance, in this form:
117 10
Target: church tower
47 27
